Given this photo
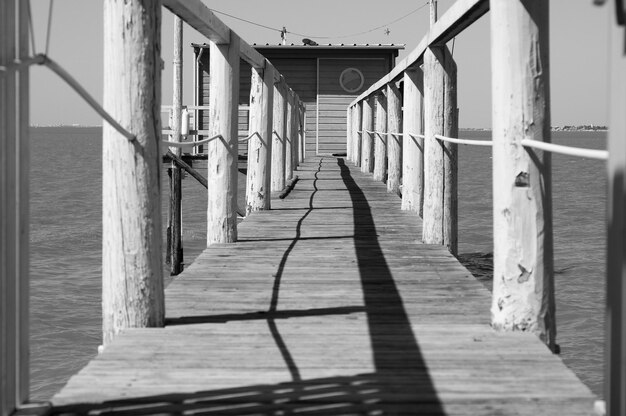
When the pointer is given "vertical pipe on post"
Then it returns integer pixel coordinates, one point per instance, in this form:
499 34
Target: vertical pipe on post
175 237
289 147
412 146
278 136
223 153
357 132
367 142
523 284
440 192
260 145
380 139
394 141
132 287
615 356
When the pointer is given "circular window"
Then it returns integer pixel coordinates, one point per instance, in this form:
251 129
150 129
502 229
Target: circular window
351 79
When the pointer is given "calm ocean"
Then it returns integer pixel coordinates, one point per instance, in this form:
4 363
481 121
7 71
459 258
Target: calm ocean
66 234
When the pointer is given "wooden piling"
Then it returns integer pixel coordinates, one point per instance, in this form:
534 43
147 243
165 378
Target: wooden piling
523 284
223 154
394 141
440 193
349 140
615 356
413 146
357 134
380 139
289 139
132 287
175 229
296 133
302 148
278 136
367 137
258 194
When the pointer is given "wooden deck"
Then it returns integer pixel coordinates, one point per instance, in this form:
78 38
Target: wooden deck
328 304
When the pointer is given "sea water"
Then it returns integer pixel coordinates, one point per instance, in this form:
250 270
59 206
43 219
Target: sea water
66 198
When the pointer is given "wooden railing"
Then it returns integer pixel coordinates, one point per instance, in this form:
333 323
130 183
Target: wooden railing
523 285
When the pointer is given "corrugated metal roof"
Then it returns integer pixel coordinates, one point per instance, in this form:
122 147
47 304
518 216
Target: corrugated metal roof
321 46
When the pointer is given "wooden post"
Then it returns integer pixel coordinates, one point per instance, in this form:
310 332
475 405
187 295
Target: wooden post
296 132
380 139
367 143
523 284
260 145
223 153
357 134
394 142
278 136
412 146
14 208
302 132
132 287
289 135
615 357
175 229
349 140
440 193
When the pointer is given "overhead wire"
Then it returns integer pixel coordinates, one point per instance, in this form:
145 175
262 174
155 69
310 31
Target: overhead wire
323 37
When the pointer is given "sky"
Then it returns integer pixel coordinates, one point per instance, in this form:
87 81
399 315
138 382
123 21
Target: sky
579 42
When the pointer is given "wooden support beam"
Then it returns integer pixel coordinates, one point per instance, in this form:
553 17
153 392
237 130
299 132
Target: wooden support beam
278 136
379 138
302 127
357 135
258 194
440 183
289 147
223 154
615 357
412 146
132 288
175 227
523 284
367 137
349 133
296 136
394 142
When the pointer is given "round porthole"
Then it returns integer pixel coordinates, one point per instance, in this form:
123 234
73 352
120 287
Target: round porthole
351 79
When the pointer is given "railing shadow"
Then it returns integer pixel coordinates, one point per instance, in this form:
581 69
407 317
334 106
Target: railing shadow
400 383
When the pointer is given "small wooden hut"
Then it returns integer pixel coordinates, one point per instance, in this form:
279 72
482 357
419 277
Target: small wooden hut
326 77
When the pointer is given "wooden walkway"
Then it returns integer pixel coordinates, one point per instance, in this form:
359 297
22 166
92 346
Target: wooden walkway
328 304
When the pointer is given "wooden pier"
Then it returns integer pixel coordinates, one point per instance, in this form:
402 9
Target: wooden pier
328 304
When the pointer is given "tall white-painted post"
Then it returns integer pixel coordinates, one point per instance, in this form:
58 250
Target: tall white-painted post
357 133
132 268
523 284
14 207
440 196
258 194
278 136
175 235
289 147
394 141
380 139
615 357
302 148
367 142
413 146
349 133
223 153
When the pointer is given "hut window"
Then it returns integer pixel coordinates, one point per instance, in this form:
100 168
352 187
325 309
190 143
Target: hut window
351 79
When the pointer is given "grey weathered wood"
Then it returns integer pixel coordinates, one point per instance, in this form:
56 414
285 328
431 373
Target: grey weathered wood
132 292
380 139
289 138
523 288
302 148
440 193
412 146
357 133
296 133
327 302
394 142
175 229
278 136
223 153
258 194
349 140
615 357
367 137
